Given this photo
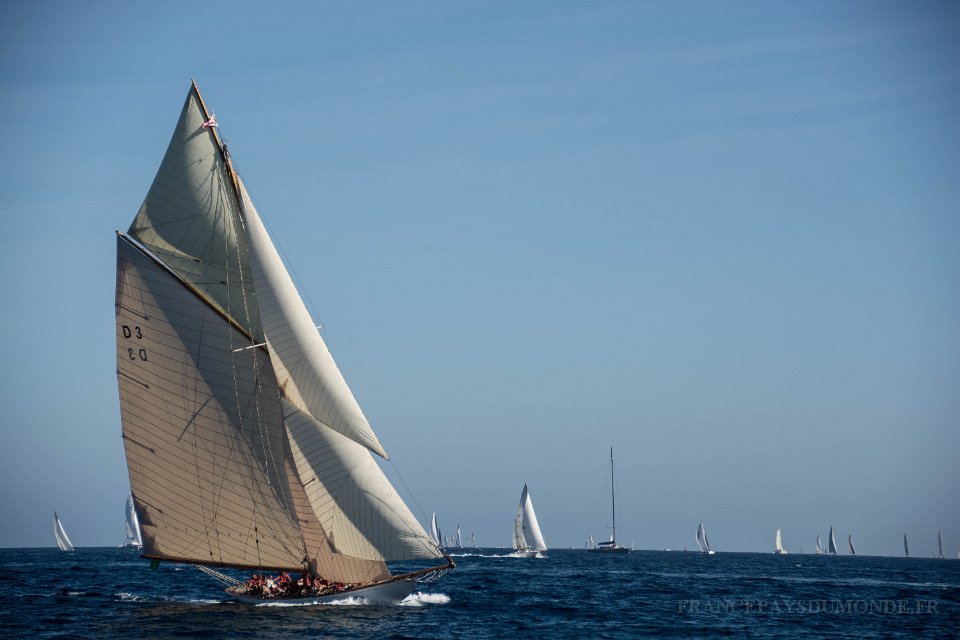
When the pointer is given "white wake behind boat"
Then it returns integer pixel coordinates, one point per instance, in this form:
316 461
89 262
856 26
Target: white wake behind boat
528 541
63 542
245 447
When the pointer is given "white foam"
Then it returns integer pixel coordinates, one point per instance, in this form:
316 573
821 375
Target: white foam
419 599
129 597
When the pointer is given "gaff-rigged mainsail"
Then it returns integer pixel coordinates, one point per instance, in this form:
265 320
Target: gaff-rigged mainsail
244 445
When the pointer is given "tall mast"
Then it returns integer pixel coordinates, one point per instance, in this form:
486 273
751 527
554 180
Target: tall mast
613 498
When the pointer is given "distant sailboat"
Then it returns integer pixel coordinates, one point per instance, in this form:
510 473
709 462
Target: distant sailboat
906 549
62 540
459 538
435 536
819 546
702 541
132 525
832 543
853 551
611 545
527 540
939 545
778 549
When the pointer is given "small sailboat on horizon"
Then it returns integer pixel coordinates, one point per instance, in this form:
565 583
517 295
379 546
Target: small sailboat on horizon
528 541
611 546
702 541
832 543
906 549
853 551
131 525
939 545
778 545
819 546
63 542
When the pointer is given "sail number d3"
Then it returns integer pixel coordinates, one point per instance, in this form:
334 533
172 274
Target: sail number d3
129 333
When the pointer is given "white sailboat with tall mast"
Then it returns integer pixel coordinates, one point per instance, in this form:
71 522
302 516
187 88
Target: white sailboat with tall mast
702 541
245 447
63 542
832 543
528 542
853 551
131 525
819 546
611 546
778 545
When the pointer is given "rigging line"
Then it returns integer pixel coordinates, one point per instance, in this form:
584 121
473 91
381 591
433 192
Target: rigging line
407 489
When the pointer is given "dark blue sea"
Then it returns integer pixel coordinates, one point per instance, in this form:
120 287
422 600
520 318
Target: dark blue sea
112 593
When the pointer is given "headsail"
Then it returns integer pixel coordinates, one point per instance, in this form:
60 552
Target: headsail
60 535
526 529
832 543
700 536
819 546
435 536
244 445
853 551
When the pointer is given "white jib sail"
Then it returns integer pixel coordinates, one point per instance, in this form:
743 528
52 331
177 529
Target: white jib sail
61 536
700 536
434 530
779 542
303 365
526 529
359 510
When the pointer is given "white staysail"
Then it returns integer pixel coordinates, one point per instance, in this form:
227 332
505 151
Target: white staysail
61 536
832 543
779 544
819 546
245 447
435 536
132 525
526 529
304 367
853 551
906 549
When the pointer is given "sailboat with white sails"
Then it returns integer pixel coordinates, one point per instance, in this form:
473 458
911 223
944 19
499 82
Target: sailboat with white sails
611 546
819 546
63 542
832 543
528 542
132 525
245 447
702 541
853 551
778 545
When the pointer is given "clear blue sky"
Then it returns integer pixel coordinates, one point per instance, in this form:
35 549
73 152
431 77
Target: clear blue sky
721 237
